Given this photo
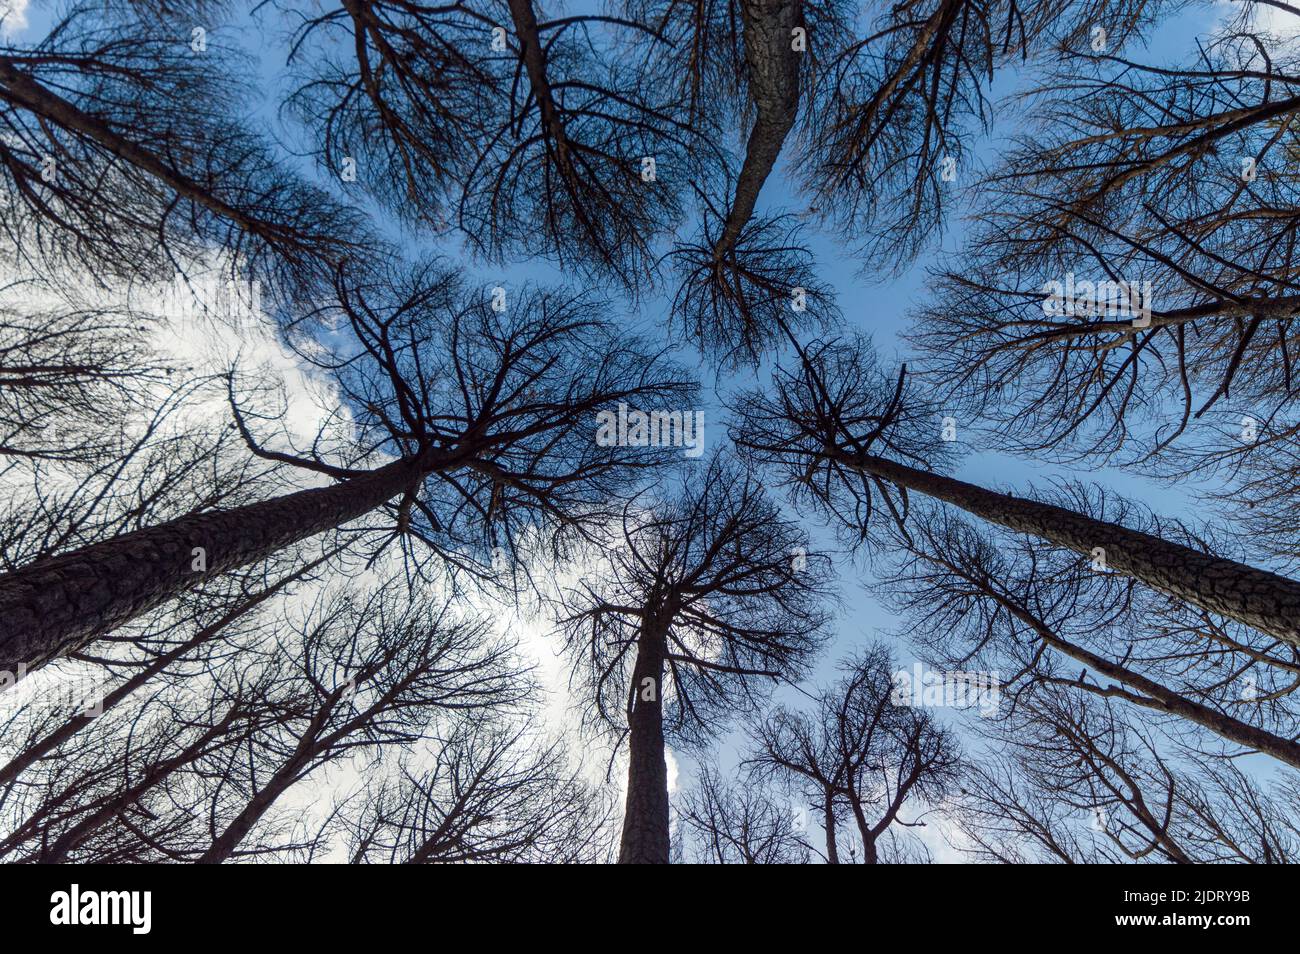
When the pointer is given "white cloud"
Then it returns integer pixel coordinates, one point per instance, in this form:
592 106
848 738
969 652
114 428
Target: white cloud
1265 18
13 16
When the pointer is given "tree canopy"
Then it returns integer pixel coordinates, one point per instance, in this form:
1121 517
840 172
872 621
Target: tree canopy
724 431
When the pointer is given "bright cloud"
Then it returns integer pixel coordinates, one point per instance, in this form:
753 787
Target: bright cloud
13 16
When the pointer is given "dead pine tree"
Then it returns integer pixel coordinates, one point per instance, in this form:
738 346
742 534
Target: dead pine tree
740 821
490 790
854 446
1070 779
210 632
709 596
748 278
392 92
861 753
372 672
898 102
121 158
582 158
1163 336
118 791
1000 602
474 426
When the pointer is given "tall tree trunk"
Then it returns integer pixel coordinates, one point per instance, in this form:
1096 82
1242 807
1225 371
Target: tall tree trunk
774 86
645 818
311 745
533 53
224 845
1266 601
19 89
1161 698
832 849
52 740
54 607
870 855
866 832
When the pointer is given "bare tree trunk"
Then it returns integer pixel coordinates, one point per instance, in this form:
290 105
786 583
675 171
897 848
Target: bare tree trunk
645 819
223 847
310 745
865 115
832 849
866 832
870 855
54 607
774 86
1162 699
1266 601
52 740
19 89
535 63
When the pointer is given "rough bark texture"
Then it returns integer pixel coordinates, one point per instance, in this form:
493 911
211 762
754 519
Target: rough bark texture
52 740
53 607
645 819
1266 601
774 86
